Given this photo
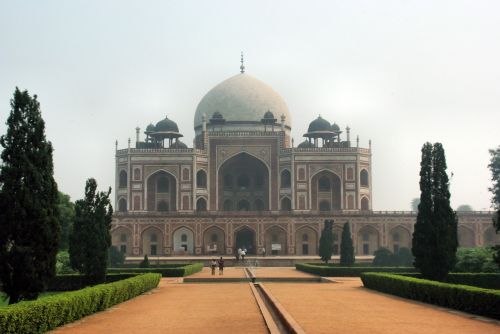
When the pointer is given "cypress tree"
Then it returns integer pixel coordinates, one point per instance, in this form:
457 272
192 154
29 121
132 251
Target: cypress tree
346 246
494 167
91 238
445 220
326 242
422 234
29 229
435 240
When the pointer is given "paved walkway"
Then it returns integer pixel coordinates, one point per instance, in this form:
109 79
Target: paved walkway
348 307
179 308
229 272
343 307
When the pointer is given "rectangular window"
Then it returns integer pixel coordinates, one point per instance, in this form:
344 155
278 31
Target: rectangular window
366 249
396 249
153 249
305 249
335 249
123 249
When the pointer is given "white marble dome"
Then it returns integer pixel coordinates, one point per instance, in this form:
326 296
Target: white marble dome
242 98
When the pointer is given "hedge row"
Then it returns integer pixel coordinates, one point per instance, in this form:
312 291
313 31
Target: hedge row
152 265
481 280
465 298
50 312
72 282
165 272
321 270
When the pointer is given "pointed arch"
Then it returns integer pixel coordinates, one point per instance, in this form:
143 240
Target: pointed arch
152 241
183 240
308 245
320 192
161 191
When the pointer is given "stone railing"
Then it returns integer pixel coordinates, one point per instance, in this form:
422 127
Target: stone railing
326 150
159 150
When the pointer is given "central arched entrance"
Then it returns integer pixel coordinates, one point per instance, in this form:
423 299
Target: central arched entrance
243 184
245 239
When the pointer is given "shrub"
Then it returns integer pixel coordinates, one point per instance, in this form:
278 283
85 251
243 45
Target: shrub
322 270
50 312
383 257
145 262
404 257
165 272
76 281
115 256
63 266
465 298
480 280
474 260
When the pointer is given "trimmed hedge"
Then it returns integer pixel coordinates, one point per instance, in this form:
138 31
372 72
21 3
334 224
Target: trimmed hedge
326 270
72 282
165 272
481 280
485 302
50 312
152 265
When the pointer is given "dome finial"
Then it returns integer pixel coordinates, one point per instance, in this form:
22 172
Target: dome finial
242 67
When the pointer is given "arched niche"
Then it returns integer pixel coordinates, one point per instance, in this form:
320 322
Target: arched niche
286 179
152 241
399 237
201 204
306 241
326 188
122 205
201 179
363 178
161 192
243 177
368 240
286 204
122 179
121 238
214 241
245 239
183 241
275 241
466 237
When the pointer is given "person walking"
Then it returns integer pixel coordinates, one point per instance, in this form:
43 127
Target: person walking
243 253
213 265
264 251
221 266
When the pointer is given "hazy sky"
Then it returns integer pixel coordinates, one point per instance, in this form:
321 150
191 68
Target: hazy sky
398 72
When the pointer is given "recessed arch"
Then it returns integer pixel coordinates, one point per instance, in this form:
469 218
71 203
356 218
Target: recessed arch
285 178
152 241
183 240
275 240
214 240
364 178
244 237
122 179
333 195
201 179
309 246
243 176
161 185
121 238
368 240
365 203
399 237
466 237
490 237
286 204
201 204
122 204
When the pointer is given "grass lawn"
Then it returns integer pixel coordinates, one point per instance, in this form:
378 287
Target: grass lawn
4 300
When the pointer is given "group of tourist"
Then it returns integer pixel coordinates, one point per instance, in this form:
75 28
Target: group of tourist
219 263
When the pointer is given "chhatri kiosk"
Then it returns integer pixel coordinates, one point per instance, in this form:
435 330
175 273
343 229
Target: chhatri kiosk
244 184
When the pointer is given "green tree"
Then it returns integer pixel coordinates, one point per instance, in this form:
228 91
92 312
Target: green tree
326 242
383 257
404 257
494 167
116 257
66 217
414 204
435 235
90 237
464 207
29 229
346 246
